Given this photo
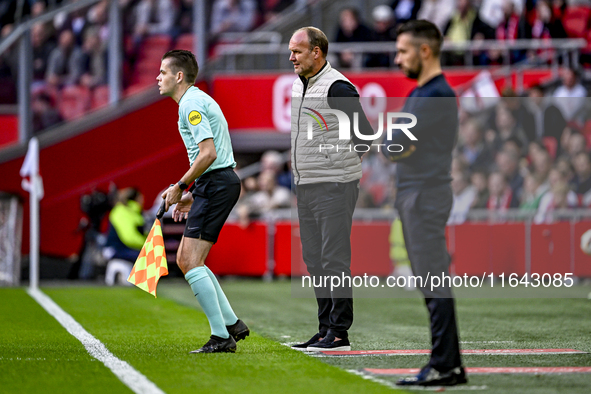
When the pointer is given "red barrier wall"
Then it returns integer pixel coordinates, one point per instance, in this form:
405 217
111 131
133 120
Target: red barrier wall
266 97
476 249
240 251
9 130
582 261
552 251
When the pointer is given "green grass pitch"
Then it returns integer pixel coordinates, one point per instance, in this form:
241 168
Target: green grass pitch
154 336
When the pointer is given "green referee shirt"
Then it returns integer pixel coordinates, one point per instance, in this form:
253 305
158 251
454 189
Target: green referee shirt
200 118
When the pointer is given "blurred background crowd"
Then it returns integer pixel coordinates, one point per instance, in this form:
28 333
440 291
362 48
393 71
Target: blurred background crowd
70 52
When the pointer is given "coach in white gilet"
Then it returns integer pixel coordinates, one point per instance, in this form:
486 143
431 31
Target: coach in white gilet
326 173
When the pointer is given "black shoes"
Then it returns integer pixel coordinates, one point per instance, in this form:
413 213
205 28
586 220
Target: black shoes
429 376
218 345
238 330
328 343
304 346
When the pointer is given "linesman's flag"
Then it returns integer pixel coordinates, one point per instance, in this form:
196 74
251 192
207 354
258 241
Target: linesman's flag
151 264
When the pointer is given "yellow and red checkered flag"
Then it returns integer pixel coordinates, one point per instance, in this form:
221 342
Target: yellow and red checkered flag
151 264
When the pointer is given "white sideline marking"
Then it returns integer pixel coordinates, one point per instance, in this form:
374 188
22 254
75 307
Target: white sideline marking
137 382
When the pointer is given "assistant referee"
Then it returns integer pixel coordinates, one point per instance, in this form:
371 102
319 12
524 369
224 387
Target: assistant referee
204 131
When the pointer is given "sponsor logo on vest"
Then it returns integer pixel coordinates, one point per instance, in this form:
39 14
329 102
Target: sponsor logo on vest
345 129
194 118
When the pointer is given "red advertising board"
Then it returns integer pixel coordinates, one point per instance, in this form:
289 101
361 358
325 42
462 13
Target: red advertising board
262 102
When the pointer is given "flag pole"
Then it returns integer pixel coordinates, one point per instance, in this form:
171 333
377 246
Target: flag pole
34 210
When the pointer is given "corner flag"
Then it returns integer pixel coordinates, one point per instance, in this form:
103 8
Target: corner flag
151 263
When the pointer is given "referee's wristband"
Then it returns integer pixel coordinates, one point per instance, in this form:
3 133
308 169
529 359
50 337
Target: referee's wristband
182 185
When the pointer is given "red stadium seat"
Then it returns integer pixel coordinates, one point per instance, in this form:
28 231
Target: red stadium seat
576 21
149 56
185 42
100 96
154 47
74 101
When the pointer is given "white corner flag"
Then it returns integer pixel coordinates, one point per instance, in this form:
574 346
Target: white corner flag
30 169
33 183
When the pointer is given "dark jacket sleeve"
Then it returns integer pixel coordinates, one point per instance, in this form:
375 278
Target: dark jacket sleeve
350 105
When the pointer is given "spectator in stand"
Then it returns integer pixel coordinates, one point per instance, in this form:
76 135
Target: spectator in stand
582 179
270 196
43 45
271 8
546 25
480 182
533 191
45 114
501 197
464 195
570 97
559 8
508 164
506 127
472 147
541 161
126 226
74 21
513 146
232 16
405 10
438 12
383 31
577 143
98 17
465 25
511 28
93 62
559 195
524 117
38 8
491 11
184 19
63 65
273 161
153 17
351 29
548 118
565 167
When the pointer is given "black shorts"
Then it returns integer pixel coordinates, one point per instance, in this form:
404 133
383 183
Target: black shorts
215 194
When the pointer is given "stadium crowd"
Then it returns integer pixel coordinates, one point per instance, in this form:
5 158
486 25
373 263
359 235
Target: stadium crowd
70 52
529 152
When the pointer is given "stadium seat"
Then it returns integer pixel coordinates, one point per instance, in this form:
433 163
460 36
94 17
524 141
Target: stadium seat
185 42
576 21
74 101
149 56
117 272
100 96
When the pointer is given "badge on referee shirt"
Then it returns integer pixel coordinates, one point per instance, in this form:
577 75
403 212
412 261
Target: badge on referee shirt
194 118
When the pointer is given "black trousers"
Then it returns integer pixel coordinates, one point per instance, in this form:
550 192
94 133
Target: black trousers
424 214
325 213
